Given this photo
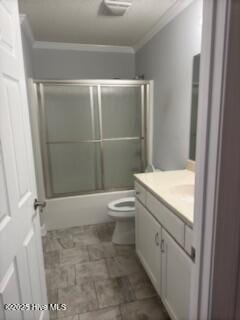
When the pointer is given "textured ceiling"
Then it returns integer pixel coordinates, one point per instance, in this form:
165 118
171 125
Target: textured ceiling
88 22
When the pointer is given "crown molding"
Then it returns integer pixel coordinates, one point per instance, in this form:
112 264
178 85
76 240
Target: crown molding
69 46
167 17
27 28
82 47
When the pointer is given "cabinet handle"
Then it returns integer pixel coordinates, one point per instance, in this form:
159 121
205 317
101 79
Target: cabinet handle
193 254
157 239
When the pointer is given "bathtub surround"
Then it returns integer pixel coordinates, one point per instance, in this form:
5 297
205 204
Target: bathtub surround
96 279
167 59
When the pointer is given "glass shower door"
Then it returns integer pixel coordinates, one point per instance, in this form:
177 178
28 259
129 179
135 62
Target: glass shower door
71 138
122 134
92 135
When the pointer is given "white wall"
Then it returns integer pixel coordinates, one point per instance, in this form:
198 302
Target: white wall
167 59
74 64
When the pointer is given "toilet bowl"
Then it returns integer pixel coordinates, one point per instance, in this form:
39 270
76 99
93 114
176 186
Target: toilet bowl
123 212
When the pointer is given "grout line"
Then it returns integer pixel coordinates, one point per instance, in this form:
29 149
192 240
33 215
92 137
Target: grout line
108 271
88 253
95 289
75 270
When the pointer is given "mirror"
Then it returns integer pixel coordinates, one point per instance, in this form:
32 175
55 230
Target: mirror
194 107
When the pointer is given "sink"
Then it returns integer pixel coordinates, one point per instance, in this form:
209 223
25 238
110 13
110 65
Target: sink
184 191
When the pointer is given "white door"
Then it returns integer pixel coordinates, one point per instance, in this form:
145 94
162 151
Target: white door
176 279
148 244
22 277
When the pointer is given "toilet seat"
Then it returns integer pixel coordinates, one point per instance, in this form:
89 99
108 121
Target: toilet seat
122 204
121 209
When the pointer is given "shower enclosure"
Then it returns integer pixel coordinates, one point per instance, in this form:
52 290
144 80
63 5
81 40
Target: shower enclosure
93 134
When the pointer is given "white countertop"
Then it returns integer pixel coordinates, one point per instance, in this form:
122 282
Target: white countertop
162 184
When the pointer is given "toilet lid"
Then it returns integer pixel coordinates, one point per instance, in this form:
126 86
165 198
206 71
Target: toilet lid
123 204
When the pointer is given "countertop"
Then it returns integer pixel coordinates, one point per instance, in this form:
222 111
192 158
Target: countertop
162 183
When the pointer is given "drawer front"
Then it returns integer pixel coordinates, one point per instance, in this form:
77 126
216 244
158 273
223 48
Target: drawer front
140 193
188 240
168 220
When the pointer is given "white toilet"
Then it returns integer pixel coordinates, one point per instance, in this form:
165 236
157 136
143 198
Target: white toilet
123 212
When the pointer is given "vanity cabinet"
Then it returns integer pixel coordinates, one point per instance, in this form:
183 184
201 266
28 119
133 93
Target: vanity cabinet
176 278
148 242
163 251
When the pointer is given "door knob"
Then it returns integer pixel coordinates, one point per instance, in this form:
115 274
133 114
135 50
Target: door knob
39 204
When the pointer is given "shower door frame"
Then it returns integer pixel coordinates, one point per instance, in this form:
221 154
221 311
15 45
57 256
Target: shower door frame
144 85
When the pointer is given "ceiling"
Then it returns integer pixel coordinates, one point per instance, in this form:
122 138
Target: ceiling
88 22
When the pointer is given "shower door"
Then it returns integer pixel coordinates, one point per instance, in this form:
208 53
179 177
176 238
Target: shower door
92 135
121 135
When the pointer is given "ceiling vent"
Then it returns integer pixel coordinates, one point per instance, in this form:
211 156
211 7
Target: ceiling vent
118 7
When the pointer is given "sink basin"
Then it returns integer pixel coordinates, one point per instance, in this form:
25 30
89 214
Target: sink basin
184 191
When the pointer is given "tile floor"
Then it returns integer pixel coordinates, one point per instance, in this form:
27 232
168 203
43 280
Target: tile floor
96 279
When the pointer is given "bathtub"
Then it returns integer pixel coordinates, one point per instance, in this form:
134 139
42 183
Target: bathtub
80 210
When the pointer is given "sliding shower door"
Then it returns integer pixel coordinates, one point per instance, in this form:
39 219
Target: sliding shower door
93 136
121 134
70 131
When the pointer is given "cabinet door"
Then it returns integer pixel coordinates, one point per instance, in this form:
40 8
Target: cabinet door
148 241
176 277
